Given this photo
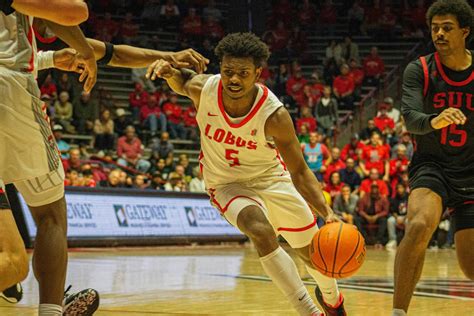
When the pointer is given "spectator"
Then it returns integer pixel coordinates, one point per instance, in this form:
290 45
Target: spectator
349 50
345 205
306 15
162 149
169 14
405 141
63 111
303 135
175 183
374 178
197 183
349 176
326 113
306 119
298 41
137 98
310 97
334 163
295 86
356 73
369 130
62 145
173 111
349 150
85 113
376 155
121 122
281 79
333 52
129 151
129 29
104 137
164 169
65 84
141 182
328 17
212 29
74 160
334 185
398 210
371 20
399 164
181 171
157 182
373 208
151 116
330 71
113 180
391 112
280 37
48 104
88 176
382 121
356 18
211 11
184 162
314 153
192 25
190 123
317 84
344 88
108 25
374 68
387 22
49 87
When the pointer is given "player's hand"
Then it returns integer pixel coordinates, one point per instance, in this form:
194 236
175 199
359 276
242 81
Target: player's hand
89 73
188 58
160 69
67 59
332 218
448 117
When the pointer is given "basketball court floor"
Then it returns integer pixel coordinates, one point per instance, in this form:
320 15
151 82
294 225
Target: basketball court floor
228 280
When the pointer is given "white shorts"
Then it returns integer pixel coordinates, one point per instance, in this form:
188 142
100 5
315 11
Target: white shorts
28 151
282 204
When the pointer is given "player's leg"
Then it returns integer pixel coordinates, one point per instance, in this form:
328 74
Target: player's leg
13 257
424 213
464 238
45 197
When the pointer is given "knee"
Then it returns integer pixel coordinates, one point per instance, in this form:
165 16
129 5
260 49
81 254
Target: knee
260 232
421 228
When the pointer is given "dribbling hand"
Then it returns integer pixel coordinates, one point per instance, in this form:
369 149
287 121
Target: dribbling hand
448 117
160 69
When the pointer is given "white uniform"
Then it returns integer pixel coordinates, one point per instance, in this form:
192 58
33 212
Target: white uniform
241 167
29 156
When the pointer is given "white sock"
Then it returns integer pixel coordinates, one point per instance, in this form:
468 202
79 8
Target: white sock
327 285
398 312
50 310
279 266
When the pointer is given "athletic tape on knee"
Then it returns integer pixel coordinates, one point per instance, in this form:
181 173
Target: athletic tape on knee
4 203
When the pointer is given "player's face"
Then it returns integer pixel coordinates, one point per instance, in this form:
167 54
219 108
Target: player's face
446 34
239 76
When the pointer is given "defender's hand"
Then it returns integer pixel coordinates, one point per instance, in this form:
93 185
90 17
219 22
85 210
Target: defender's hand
188 58
160 69
448 117
67 59
90 72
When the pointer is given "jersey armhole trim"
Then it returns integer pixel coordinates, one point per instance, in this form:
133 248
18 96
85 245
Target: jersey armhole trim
425 75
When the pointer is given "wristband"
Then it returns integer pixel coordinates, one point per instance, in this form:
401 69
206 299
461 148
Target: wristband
45 59
109 53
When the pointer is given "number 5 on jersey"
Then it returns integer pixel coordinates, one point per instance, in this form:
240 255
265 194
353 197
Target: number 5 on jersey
231 157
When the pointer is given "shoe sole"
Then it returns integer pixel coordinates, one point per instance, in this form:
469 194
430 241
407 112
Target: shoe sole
85 303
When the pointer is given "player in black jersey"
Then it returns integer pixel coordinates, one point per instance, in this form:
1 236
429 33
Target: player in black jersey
438 107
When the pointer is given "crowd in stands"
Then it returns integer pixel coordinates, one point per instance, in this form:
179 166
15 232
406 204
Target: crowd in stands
365 181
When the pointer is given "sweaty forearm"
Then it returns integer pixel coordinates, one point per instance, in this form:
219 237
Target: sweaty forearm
65 12
309 187
72 36
178 81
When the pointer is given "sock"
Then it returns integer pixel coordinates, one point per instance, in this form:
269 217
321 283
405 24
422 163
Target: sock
398 312
279 266
50 310
327 285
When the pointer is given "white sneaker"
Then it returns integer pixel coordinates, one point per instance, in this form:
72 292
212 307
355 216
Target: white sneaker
392 244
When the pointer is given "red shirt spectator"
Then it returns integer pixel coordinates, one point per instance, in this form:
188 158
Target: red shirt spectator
343 85
49 87
151 107
367 183
383 121
306 119
212 28
138 97
334 186
173 110
387 20
295 87
356 73
192 24
373 64
350 150
307 14
335 163
399 164
375 155
129 146
281 36
190 116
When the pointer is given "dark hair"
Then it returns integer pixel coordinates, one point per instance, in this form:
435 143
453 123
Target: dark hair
243 45
459 8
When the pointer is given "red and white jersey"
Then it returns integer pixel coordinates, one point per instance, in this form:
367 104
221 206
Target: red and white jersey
236 149
17 43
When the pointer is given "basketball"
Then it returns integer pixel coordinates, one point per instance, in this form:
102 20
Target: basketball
337 250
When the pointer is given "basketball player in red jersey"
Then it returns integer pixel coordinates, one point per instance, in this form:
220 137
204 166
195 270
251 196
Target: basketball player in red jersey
244 129
438 108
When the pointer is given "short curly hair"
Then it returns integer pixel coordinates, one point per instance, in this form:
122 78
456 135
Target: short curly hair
459 8
243 45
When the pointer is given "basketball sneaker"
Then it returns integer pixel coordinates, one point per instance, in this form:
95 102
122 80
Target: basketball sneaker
83 303
13 294
337 310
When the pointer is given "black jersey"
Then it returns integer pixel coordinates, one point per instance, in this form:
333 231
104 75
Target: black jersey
428 89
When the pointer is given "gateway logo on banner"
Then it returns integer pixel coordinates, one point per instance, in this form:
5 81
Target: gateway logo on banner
126 216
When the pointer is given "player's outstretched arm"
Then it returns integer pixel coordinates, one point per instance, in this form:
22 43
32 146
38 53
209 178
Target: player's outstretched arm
65 12
182 81
280 126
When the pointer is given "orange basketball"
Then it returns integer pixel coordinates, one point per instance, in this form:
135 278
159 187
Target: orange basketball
337 250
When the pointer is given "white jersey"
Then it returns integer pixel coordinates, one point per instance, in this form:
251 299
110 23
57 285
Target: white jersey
17 43
237 151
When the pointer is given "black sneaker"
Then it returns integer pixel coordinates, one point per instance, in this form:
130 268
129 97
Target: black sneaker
12 294
338 310
83 303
